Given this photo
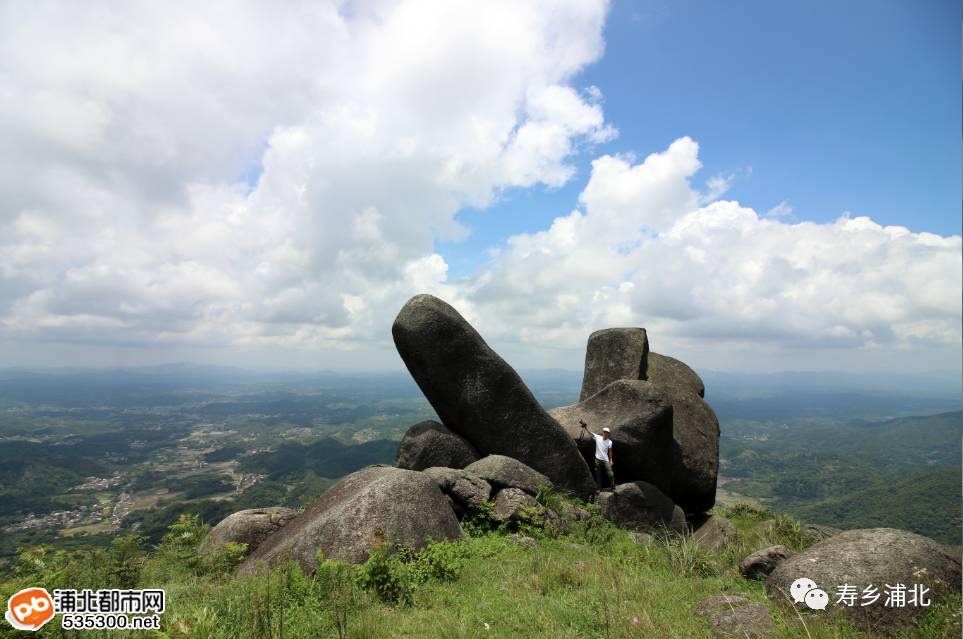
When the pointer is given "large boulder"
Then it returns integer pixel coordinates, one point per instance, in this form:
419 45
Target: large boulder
479 396
640 417
505 472
613 354
695 429
870 557
372 506
466 490
428 444
668 372
641 506
250 527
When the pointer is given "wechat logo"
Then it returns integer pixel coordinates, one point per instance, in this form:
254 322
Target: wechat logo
805 590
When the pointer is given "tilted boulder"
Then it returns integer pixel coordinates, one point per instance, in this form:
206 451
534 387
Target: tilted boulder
668 372
613 354
250 527
428 444
479 396
363 510
640 417
505 472
466 490
870 557
639 505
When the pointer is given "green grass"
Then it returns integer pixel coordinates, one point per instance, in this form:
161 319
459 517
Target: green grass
594 582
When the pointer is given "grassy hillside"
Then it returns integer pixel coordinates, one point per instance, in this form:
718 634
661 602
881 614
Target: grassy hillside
596 582
927 502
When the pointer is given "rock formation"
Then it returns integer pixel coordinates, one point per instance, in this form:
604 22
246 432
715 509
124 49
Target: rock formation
613 354
870 557
369 507
429 443
248 527
479 396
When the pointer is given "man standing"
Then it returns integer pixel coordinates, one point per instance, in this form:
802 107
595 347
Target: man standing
603 455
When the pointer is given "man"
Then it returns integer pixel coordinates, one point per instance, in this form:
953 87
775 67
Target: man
603 455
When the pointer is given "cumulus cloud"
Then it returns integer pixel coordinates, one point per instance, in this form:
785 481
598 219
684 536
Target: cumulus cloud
642 251
231 174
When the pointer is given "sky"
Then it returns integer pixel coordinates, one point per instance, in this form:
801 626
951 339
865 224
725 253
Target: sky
762 186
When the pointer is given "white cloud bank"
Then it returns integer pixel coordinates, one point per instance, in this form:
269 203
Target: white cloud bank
198 181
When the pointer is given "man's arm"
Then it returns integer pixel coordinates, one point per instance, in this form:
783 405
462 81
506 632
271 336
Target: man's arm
611 461
586 427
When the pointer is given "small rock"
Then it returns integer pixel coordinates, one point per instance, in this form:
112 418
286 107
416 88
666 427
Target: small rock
467 490
641 538
736 616
641 506
250 527
505 472
759 564
522 540
576 546
510 502
715 533
573 513
429 443
818 532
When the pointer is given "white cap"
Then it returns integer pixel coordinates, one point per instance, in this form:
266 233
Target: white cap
606 430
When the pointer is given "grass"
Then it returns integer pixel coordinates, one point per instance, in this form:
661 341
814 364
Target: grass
595 582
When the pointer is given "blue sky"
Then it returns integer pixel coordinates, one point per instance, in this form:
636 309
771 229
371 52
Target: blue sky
835 106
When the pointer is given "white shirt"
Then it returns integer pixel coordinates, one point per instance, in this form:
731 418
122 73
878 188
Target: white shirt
602 447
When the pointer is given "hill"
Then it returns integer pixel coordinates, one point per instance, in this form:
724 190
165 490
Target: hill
926 502
595 582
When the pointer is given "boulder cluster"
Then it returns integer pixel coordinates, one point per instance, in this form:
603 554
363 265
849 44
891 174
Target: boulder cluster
495 445
495 450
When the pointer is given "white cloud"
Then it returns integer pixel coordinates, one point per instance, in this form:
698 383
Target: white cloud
643 252
783 209
128 129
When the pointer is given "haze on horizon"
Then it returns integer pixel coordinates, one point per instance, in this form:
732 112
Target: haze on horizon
231 184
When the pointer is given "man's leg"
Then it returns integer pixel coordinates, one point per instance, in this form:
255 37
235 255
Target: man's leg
611 475
598 474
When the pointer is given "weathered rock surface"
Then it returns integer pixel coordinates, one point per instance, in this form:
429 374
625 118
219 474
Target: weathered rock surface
468 491
668 372
479 396
870 557
759 564
428 444
510 502
505 472
522 540
361 511
641 506
695 429
613 354
573 513
640 417
250 527
713 532
736 616
819 532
